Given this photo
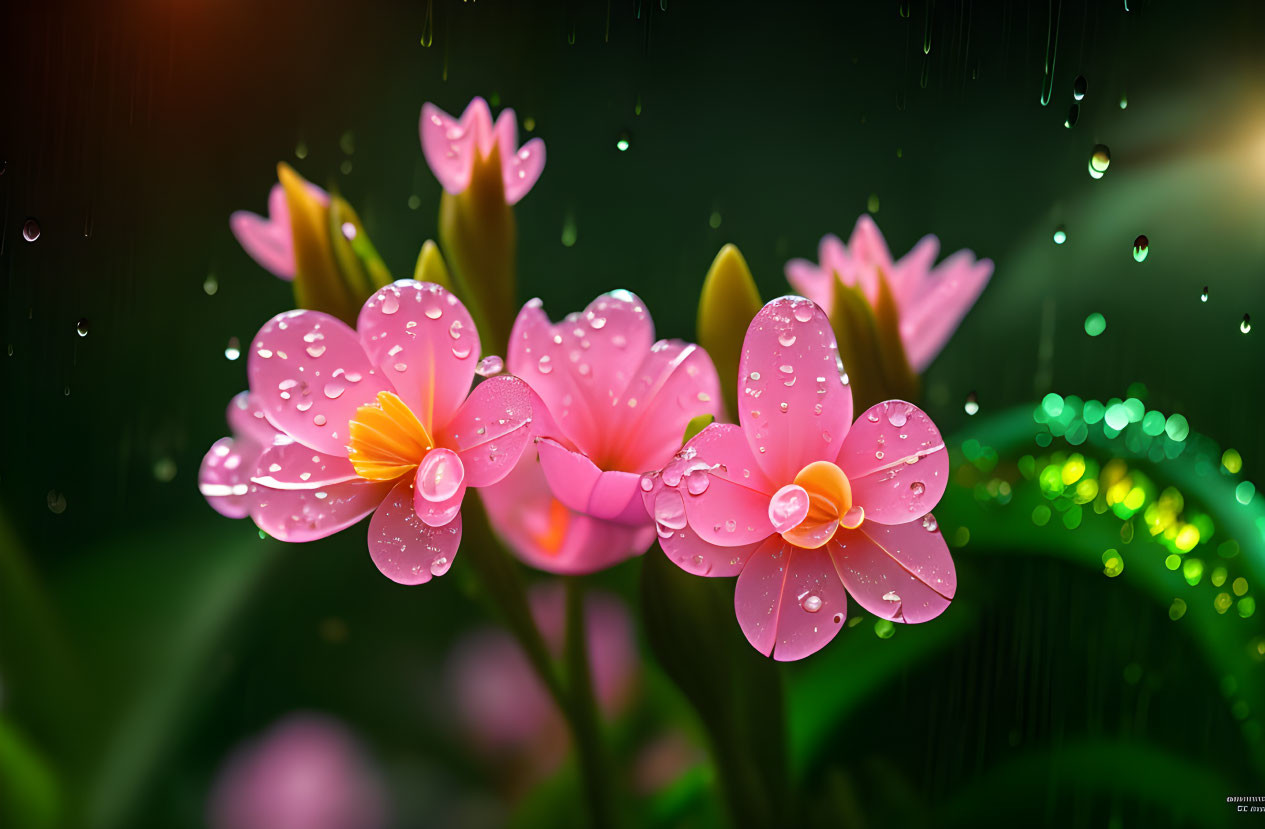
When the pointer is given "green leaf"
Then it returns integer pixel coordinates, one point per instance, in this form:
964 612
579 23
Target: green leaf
737 692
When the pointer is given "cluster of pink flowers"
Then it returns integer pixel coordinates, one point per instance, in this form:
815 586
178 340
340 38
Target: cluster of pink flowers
577 449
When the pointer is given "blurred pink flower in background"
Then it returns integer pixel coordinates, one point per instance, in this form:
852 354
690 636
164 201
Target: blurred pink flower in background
382 420
270 241
931 299
502 707
306 772
450 146
618 405
224 477
800 503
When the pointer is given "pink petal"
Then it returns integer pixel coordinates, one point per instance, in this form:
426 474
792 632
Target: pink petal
610 495
789 601
425 344
492 429
725 495
700 558
309 374
896 463
224 477
449 146
548 536
903 573
674 384
809 280
909 276
792 402
440 487
268 241
290 465
522 169
869 255
246 419
948 293
309 514
582 365
403 547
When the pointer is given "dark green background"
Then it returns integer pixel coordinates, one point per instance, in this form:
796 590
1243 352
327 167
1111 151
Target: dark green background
132 130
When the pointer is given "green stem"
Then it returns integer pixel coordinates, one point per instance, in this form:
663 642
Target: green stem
582 711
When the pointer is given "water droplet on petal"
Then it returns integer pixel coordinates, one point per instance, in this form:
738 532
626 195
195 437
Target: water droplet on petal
490 366
390 304
811 604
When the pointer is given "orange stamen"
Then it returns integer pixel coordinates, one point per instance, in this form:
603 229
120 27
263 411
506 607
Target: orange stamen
387 439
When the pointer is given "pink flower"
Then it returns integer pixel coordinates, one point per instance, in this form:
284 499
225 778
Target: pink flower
501 703
450 146
618 404
378 420
306 772
224 478
270 241
803 505
931 301
549 536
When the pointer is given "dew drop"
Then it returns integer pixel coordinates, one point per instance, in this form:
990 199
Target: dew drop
489 366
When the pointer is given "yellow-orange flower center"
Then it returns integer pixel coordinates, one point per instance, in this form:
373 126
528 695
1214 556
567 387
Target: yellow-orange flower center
387 439
810 511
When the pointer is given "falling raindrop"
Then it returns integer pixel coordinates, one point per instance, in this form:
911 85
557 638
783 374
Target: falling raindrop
428 26
1079 87
623 141
1141 247
1073 114
1099 161
56 502
972 404
1095 324
1051 40
1203 297
345 167
31 230
1060 235
414 202
1124 101
713 221
300 150
234 349
871 204
1246 325
210 285
568 230
81 327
